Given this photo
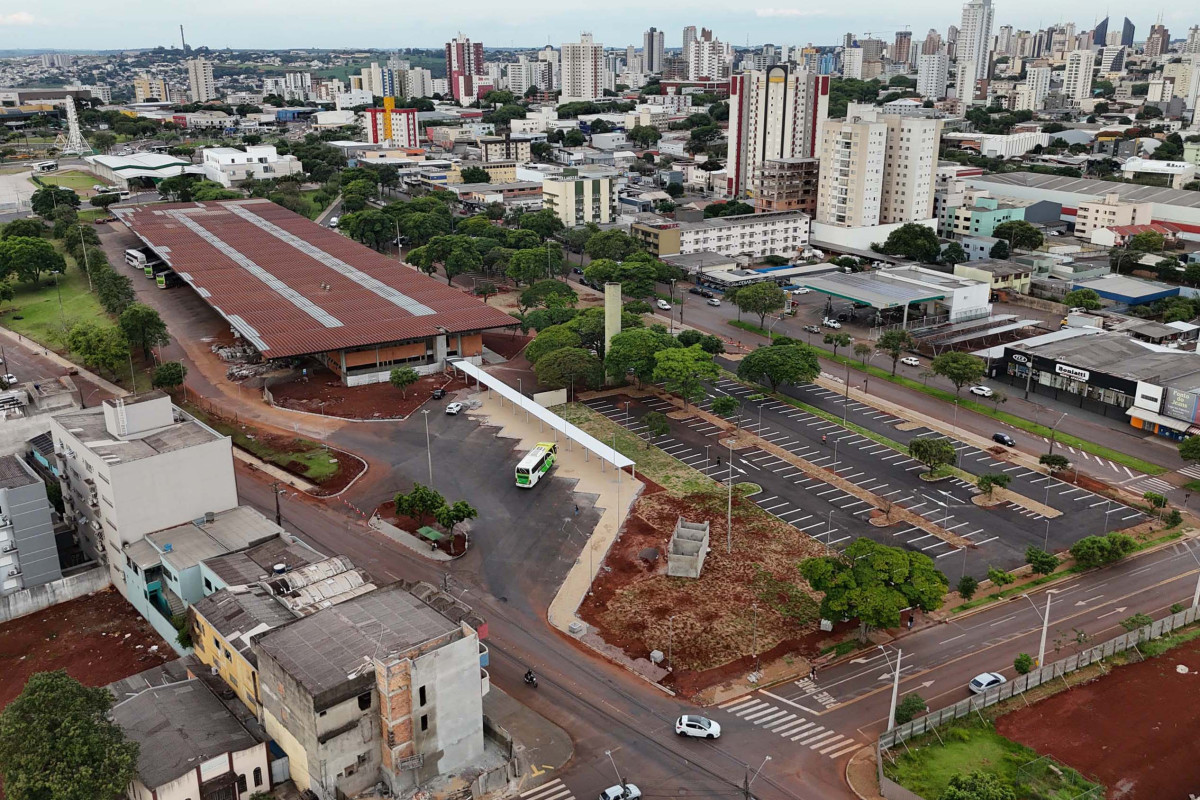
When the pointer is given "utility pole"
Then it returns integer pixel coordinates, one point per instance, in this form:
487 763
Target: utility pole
278 516
729 506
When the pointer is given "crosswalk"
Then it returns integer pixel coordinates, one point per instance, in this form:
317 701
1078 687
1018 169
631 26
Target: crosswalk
553 790
1192 471
792 726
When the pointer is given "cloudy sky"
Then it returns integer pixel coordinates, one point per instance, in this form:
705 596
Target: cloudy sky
66 24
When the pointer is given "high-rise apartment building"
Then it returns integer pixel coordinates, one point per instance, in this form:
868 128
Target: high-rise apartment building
1077 80
150 87
877 169
390 126
1004 40
1031 96
201 85
689 37
1159 41
852 63
1112 58
582 70
652 50
775 113
464 67
709 59
973 45
932 76
902 47
1192 45
933 43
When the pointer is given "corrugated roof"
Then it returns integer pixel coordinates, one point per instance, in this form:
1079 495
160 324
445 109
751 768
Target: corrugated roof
263 268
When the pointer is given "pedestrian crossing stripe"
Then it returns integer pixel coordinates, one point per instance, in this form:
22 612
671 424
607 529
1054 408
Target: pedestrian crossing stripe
553 790
790 726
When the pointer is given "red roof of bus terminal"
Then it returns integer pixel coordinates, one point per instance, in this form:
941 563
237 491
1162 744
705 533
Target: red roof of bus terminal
292 287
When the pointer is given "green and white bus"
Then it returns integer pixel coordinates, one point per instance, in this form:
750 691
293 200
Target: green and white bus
536 463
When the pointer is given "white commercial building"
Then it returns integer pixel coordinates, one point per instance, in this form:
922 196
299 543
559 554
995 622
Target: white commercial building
997 145
932 76
229 165
582 70
352 98
1077 80
136 465
201 85
776 113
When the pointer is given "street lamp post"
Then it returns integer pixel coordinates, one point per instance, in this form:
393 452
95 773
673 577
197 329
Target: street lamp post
428 451
1045 623
895 686
1054 432
829 530
670 643
729 505
620 780
846 398
707 462
754 635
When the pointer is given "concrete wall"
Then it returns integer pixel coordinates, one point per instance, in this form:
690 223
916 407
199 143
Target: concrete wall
27 601
454 735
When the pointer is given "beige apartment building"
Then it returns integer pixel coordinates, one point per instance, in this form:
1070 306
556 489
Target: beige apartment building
578 199
1108 212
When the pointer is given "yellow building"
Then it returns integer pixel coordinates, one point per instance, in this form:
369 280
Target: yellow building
150 87
498 171
578 198
223 625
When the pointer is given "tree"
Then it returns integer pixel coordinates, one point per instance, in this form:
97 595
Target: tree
105 200
104 348
1019 234
958 368
836 340
1000 577
568 366
1023 663
1147 242
911 240
1189 449
894 343
632 352
463 257
657 425
787 365
144 328
1054 462
683 369
548 292
978 786
475 175
1082 298
988 484
932 452
556 337
544 223
760 299
114 290
614 244
862 350
420 504
637 278
1093 551
57 741
1043 563
44 201
169 375
725 406
103 141
874 582
28 227
999 250
908 708
402 378
967 586
644 136
370 226
448 516
27 258
953 253
485 289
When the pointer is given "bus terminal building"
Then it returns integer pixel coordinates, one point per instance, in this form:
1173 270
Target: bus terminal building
1156 388
292 289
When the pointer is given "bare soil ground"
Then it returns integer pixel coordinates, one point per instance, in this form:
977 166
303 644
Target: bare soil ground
387 511
323 393
715 622
1133 729
97 639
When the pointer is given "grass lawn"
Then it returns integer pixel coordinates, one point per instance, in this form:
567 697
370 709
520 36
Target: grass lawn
311 209
42 318
72 179
969 744
89 214
308 459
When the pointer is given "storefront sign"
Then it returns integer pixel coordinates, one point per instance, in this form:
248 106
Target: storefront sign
1072 372
1180 405
1020 359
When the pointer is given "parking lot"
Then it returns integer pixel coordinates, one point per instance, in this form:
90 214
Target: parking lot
1000 534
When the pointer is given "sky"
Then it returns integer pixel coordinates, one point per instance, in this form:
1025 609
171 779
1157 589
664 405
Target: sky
120 24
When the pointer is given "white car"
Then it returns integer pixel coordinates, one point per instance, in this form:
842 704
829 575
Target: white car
618 792
454 408
801 290
911 361
831 323
712 301
664 305
10 379
987 680
700 727
982 391
333 222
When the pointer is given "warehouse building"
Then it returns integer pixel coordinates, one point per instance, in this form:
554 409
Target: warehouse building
291 288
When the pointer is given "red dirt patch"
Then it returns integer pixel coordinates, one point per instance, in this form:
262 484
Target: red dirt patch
97 639
323 393
1133 729
506 344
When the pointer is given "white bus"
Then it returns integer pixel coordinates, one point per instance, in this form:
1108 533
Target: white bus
45 166
135 258
536 463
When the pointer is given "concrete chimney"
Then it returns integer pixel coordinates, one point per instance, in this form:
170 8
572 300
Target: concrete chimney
612 312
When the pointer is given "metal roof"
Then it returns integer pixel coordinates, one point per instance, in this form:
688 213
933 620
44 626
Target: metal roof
292 287
1129 192
872 288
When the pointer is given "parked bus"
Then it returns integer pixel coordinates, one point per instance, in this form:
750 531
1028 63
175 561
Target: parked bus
135 258
45 166
536 463
168 279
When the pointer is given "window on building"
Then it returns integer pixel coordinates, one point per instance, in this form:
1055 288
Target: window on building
208 584
364 701
424 722
227 656
257 777
421 695
242 784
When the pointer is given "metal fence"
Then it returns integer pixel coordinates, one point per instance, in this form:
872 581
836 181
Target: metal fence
1037 677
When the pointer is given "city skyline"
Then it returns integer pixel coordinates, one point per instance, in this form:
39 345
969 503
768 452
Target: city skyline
64 25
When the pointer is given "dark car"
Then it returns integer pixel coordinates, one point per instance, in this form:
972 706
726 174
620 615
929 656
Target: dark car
696 290
706 293
439 393
577 270
1004 439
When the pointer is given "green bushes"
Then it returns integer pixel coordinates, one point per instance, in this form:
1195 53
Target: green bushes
1095 551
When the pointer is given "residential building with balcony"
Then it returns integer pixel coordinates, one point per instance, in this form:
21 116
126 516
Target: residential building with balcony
230 166
581 196
978 216
1110 212
781 233
386 686
786 184
504 148
28 555
129 468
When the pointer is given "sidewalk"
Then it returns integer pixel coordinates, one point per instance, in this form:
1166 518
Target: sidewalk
539 746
